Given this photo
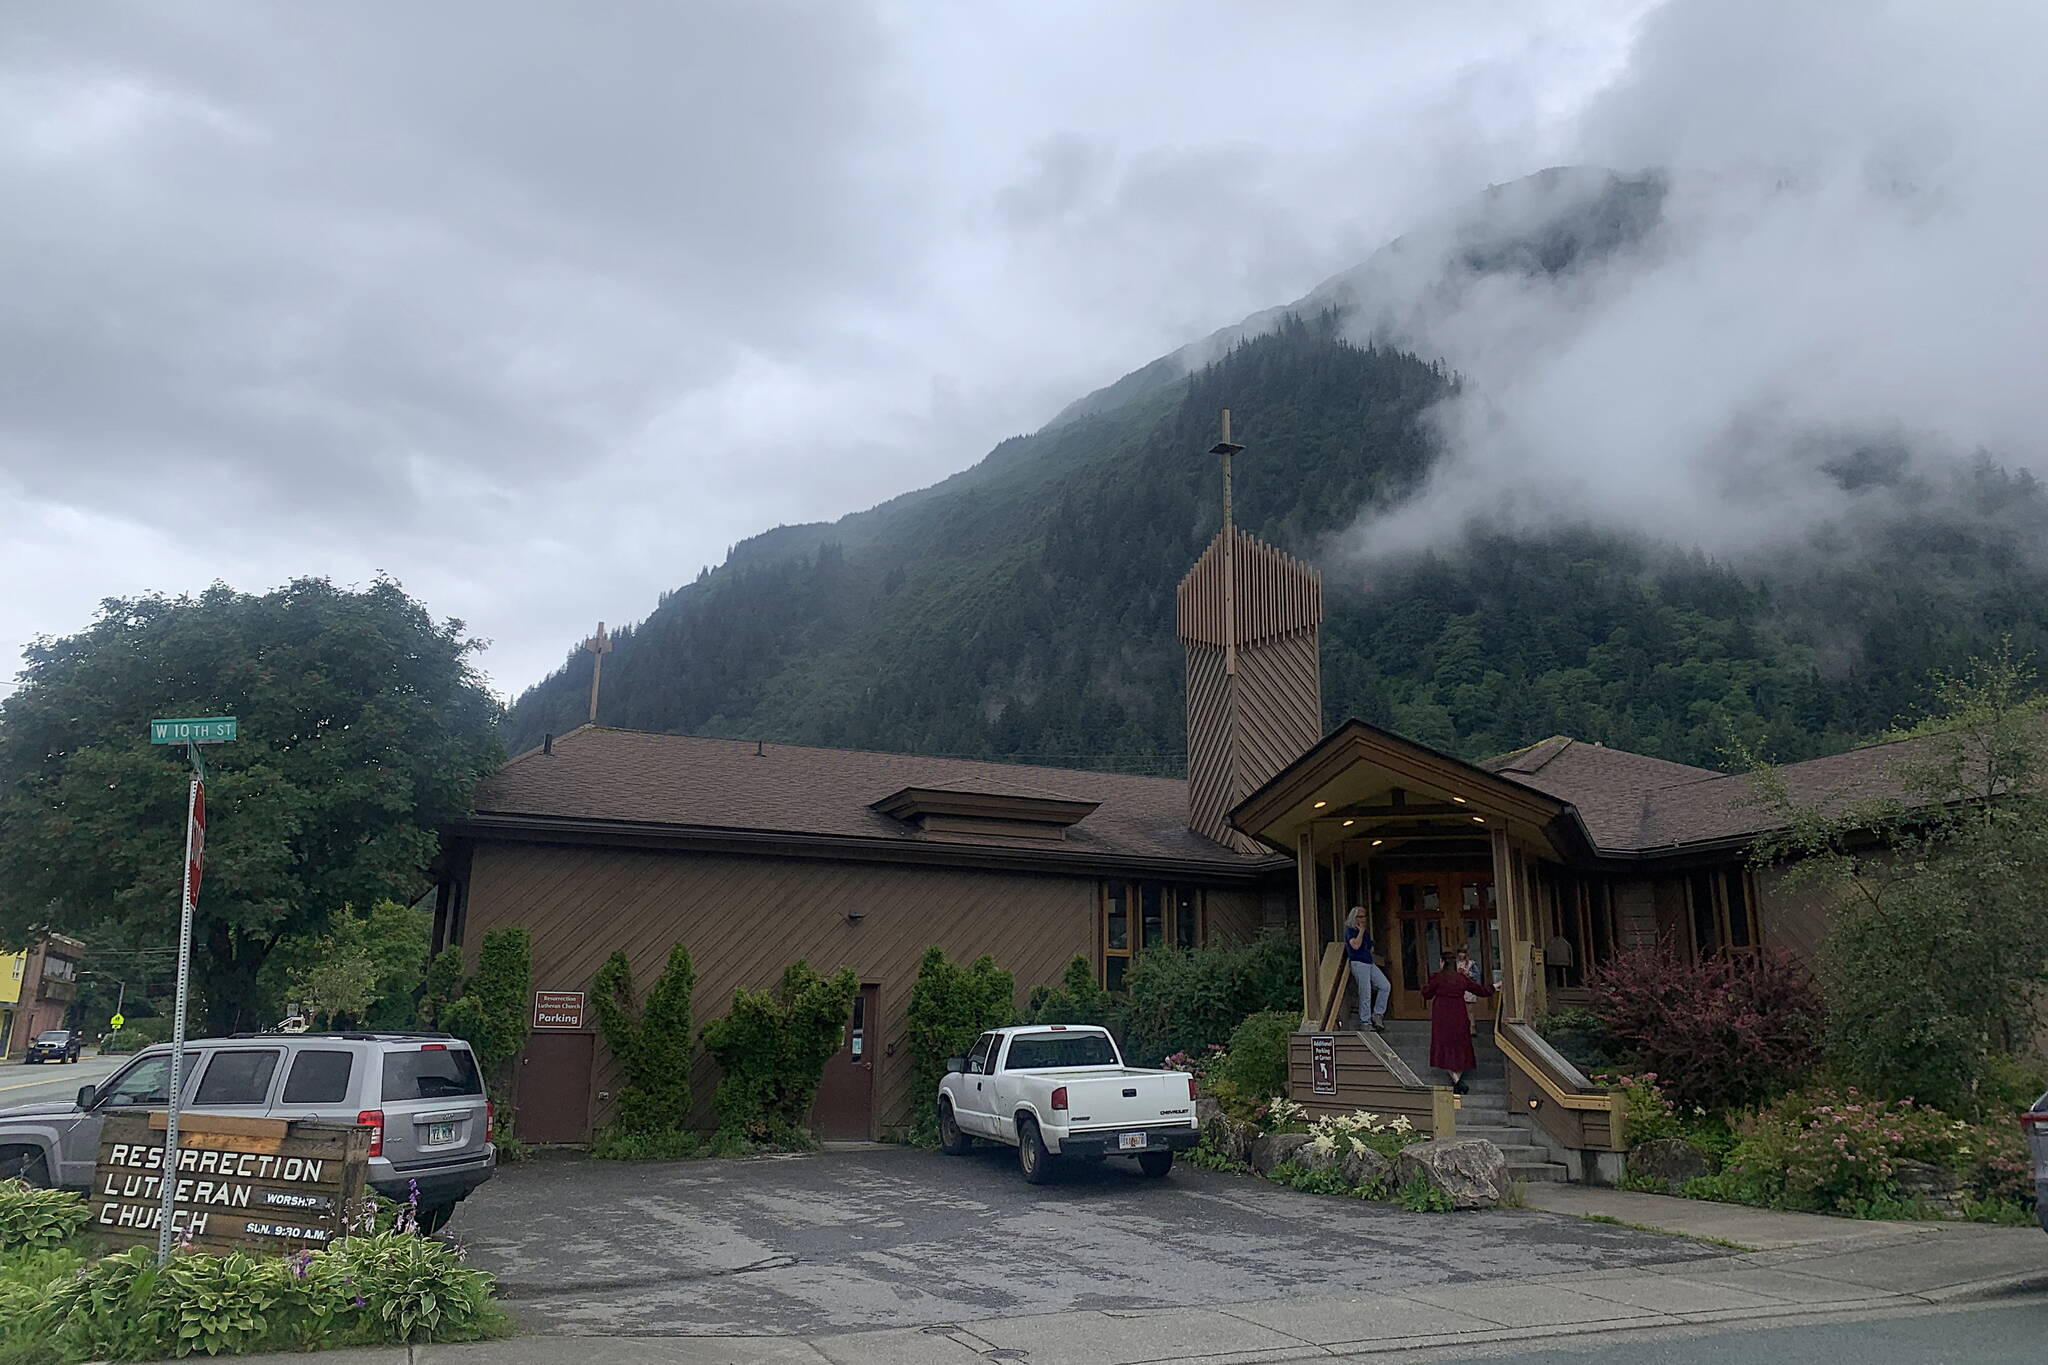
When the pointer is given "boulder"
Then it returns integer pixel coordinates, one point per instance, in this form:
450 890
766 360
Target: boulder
1367 1168
1207 1111
1931 1185
1471 1171
1276 1149
1228 1137
1323 1163
1668 1161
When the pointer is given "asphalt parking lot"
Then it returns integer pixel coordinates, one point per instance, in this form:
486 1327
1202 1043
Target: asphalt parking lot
894 1237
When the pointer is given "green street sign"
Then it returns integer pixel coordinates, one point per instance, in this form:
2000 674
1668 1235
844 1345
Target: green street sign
207 730
116 1022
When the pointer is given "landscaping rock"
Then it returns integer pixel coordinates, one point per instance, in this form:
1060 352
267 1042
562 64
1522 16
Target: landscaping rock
1669 1161
1207 1111
1276 1149
1931 1185
1472 1172
1367 1168
1228 1137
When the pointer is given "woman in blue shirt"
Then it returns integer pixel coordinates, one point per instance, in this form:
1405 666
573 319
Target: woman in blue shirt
1373 986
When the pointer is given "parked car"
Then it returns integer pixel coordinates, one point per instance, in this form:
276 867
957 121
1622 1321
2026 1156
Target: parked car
420 1093
2034 1123
1055 1091
55 1045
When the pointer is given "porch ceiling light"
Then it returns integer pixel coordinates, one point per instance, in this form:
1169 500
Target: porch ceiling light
1320 804
1376 843
1349 823
1459 799
1478 819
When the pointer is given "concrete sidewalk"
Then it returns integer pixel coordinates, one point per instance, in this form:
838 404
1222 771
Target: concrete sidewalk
1825 1266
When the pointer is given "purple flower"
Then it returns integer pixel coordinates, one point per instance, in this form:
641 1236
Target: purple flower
361 1302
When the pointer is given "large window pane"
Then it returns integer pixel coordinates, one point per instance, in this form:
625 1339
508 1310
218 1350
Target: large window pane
1185 923
1704 934
1739 929
1152 898
1119 931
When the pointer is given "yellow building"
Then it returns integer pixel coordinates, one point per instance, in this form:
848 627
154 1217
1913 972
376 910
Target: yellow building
12 968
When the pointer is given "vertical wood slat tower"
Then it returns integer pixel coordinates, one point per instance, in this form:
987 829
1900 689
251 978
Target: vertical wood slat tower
1251 619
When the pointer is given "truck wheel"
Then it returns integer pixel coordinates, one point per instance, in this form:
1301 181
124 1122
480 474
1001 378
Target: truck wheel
1032 1158
26 1164
952 1141
1155 1164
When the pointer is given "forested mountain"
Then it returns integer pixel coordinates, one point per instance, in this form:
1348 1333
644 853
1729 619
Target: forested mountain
1024 608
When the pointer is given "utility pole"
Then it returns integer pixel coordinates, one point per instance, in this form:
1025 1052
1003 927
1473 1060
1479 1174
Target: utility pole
1226 448
599 645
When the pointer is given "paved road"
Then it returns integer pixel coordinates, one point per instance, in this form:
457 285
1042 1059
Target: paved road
47 1081
1978 1335
891 1237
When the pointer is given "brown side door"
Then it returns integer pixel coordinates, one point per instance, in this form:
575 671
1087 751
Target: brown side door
554 1088
845 1108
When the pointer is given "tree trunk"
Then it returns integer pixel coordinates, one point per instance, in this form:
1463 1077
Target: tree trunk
225 995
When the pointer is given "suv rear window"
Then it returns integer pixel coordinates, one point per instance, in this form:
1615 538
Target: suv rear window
430 1074
318 1077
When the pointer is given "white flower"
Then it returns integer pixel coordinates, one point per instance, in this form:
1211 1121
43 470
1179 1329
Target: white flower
1401 1124
1323 1144
1358 1146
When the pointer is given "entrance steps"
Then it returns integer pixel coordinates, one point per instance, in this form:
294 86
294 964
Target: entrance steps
1484 1112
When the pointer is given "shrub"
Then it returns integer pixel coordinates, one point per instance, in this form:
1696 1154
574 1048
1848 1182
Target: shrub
1418 1195
492 1015
950 1006
1183 999
439 987
1076 1000
1579 1037
651 1043
38 1219
388 1288
1256 1059
773 1049
1720 1032
1650 1113
616 1144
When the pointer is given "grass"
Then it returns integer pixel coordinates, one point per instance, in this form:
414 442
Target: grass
1663 1232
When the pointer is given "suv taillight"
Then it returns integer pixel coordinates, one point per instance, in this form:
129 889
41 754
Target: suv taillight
373 1119
1059 1097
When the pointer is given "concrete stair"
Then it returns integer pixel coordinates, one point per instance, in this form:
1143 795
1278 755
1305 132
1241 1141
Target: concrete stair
1484 1112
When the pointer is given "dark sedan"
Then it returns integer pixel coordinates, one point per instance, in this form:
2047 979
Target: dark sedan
55 1045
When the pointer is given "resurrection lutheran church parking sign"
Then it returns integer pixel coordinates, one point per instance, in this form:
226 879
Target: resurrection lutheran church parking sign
243 1184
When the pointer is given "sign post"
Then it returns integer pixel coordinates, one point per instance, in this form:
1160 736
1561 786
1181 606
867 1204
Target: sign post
190 733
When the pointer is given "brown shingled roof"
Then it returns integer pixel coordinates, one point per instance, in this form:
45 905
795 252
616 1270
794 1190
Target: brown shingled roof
635 777
1610 788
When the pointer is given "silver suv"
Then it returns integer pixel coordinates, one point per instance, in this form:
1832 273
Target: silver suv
420 1092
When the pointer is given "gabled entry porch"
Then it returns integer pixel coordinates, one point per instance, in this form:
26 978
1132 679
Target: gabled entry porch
1441 856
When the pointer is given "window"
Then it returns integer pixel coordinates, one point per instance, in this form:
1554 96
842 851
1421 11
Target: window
319 1078
1723 916
977 1060
1052 1051
237 1077
1740 914
1165 916
434 1072
146 1082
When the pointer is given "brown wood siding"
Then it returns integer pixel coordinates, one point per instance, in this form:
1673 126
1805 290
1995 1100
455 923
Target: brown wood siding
745 919
1246 728
1363 1082
1790 918
1231 916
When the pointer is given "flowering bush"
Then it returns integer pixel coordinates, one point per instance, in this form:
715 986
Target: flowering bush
1719 1032
1356 1133
1201 1064
1651 1115
1840 1150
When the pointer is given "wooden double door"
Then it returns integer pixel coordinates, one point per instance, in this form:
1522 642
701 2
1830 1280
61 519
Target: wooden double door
1429 916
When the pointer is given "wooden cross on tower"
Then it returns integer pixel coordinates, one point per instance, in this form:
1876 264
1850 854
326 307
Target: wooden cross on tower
599 645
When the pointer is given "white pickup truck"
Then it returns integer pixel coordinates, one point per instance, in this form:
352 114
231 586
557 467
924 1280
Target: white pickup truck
1060 1090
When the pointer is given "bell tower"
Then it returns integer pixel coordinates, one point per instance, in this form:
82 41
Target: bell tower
1251 619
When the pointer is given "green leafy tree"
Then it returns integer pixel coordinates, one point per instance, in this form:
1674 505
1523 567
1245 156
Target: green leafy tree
493 1014
773 1048
440 988
650 1040
950 1006
363 973
1076 1000
364 728
1937 952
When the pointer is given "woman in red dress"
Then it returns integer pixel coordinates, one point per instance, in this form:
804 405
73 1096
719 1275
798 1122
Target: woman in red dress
1450 1027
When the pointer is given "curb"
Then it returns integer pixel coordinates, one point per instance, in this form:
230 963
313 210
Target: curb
1992 1287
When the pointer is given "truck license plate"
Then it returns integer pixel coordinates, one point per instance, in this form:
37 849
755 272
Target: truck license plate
438 1133
1129 1141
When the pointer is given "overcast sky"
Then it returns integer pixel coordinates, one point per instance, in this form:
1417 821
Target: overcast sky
540 307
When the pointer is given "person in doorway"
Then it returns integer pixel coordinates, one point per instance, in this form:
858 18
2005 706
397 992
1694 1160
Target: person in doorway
1450 1025
1374 989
